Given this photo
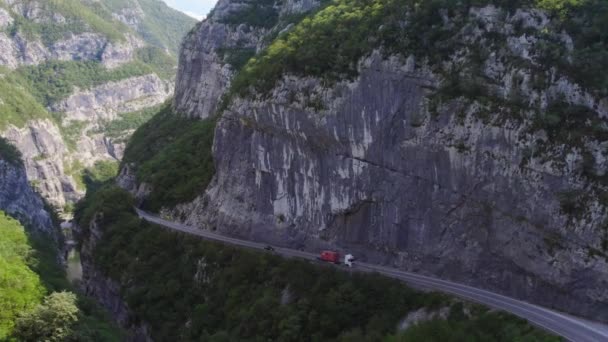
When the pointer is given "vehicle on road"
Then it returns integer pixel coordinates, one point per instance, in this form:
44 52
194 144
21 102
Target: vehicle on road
330 256
269 248
349 259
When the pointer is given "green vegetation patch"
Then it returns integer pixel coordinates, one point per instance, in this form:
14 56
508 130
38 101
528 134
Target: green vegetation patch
79 17
173 155
160 26
17 105
127 122
102 172
326 44
91 178
53 81
236 57
163 26
10 153
230 294
163 64
20 288
35 304
71 133
256 13
162 129
75 169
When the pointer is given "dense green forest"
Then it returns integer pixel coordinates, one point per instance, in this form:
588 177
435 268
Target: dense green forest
17 105
20 288
33 297
173 155
229 294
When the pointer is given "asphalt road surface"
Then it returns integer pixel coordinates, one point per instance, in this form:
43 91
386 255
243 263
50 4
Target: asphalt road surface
569 327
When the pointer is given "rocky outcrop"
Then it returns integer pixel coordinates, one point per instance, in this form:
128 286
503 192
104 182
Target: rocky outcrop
18 199
20 50
204 72
45 156
6 19
423 315
116 54
24 49
105 102
130 16
52 164
127 180
457 189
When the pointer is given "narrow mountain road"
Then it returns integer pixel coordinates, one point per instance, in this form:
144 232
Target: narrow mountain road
569 327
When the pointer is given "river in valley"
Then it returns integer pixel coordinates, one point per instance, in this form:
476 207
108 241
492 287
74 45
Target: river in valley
73 265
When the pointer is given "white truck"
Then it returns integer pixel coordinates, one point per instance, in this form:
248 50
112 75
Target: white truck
349 259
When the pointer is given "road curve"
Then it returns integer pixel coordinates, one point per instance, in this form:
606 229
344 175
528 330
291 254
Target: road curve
569 327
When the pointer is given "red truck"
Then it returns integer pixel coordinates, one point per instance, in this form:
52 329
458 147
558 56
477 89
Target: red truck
330 256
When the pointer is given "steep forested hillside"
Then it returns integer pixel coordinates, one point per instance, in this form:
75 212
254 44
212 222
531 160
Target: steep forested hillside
228 294
33 306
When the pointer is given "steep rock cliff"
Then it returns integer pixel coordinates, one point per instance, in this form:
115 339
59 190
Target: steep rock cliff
213 51
44 152
484 166
18 199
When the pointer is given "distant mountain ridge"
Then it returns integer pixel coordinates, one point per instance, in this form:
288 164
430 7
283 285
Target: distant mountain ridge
76 69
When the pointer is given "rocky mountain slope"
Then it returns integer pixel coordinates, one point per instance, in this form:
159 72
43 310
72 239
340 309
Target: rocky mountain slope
461 140
81 76
17 198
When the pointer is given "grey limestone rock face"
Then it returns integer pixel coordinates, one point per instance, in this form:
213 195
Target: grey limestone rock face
106 101
377 172
85 46
116 54
20 49
298 6
203 76
130 16
6 19
46 154
376 175
18 199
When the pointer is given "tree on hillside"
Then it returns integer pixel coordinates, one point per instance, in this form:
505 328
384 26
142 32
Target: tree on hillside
51 320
